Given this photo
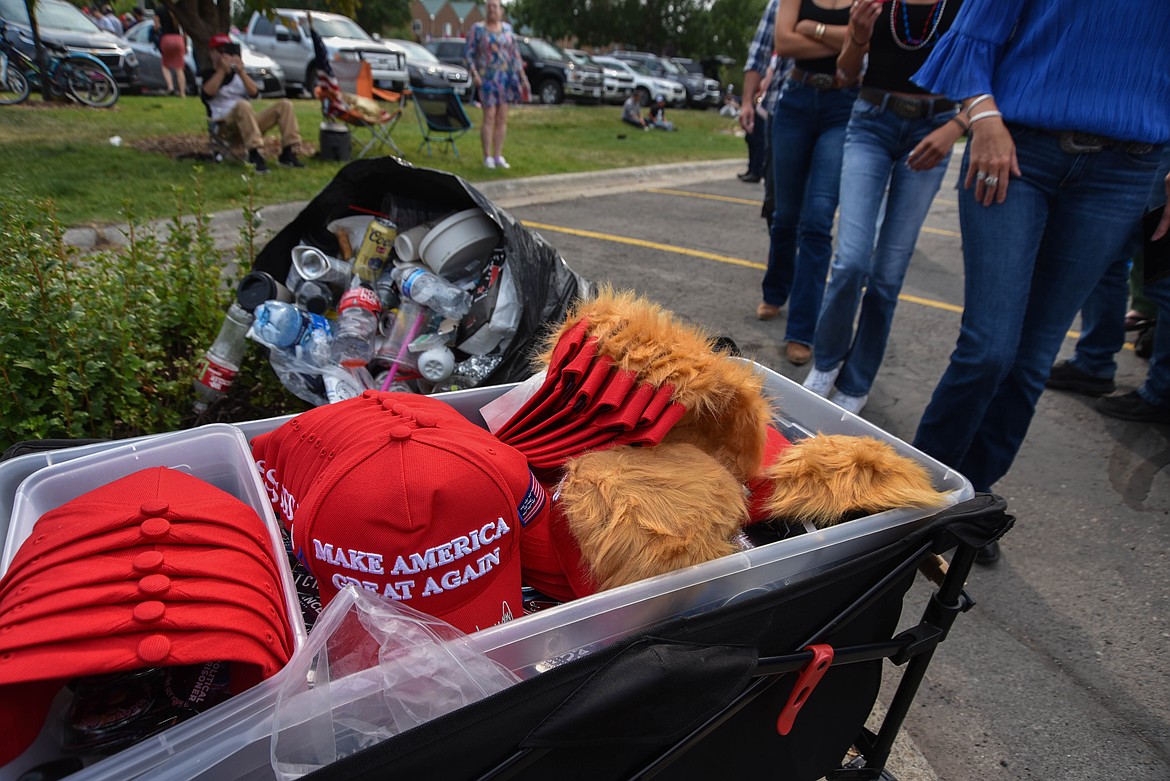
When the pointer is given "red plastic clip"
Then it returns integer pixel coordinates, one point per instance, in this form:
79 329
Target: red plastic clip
810 676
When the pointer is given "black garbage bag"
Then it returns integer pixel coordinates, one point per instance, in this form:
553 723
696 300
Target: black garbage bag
545 283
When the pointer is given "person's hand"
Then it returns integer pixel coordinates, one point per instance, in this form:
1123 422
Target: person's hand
862 17
931 150
1164 223
747 116
993 161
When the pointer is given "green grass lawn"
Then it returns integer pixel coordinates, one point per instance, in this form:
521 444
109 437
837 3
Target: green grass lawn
65 153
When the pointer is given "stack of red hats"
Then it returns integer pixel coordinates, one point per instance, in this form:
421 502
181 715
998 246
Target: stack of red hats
622 370
400 494
156 569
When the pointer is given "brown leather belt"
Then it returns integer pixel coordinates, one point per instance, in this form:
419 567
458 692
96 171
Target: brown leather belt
1075 143
906 108
814 80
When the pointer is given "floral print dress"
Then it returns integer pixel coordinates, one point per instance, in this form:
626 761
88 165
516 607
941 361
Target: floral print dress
497 59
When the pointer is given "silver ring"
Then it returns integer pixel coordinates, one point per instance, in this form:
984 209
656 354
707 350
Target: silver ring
991 181
980 176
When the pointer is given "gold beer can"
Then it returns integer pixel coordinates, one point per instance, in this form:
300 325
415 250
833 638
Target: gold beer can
374 253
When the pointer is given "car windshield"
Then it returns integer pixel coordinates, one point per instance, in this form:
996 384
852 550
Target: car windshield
672 68
61 16
415 52
691 67
336 28
578 57
638 67
545 50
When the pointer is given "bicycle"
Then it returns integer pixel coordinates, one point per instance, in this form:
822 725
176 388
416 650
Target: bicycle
79 76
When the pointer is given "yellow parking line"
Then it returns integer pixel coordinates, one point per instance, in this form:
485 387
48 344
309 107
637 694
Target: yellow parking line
694 253
750 202
708 196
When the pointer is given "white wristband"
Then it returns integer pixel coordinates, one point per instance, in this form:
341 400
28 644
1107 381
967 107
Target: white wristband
976 102
983 115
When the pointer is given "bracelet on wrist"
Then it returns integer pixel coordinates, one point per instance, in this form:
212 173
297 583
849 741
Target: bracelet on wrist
965 127
979 99
983 115
819 31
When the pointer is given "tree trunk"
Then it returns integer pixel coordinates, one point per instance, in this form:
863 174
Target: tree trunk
202 19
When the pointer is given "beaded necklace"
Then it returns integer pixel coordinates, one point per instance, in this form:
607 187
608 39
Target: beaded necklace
932 20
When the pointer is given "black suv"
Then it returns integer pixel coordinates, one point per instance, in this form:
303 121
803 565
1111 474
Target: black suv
553 75
448 50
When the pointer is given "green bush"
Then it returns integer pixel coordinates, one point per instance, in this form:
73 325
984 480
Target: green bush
105 344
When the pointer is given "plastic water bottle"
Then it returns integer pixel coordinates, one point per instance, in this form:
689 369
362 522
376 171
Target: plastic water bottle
221 362
431 290
357 322
287 326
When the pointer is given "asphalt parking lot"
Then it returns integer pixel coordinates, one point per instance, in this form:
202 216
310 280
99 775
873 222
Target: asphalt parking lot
1060 671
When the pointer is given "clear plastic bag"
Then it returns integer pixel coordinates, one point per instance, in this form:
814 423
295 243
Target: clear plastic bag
372 668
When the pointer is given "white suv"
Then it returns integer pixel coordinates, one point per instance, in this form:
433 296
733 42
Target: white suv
286 39
647 86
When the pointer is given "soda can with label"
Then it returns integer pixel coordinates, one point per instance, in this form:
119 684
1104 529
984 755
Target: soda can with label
374 253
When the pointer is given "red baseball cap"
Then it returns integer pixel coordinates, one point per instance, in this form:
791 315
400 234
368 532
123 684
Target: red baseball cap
139 594
218 41
400 494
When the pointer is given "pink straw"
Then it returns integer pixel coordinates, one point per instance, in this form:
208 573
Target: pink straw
415 327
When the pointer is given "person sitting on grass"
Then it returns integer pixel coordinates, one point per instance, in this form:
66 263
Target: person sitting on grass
632 112
658 114
228 91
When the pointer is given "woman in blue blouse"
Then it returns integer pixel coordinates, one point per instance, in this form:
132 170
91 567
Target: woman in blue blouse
1068 103
897 146
498 73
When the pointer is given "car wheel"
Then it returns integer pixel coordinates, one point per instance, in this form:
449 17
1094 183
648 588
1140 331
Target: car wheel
643 95
551 91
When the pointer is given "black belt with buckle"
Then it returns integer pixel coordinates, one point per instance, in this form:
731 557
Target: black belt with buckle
1076 143
906 108
814 80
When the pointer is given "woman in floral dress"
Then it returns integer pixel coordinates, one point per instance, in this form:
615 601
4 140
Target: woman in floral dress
498 72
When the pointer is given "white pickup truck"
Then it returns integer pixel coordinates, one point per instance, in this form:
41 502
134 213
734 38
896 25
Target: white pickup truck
286 39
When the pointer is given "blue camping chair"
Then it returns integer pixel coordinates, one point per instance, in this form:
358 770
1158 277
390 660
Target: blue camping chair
441 117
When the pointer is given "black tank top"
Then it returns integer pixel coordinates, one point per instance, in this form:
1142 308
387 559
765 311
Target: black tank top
810 10
890 66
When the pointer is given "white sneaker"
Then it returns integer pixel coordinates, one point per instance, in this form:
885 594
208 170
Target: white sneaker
502 163
854 404
489 162
821 383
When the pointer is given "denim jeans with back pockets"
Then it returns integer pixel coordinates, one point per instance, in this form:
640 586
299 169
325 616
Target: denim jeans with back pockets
877 143
1030 263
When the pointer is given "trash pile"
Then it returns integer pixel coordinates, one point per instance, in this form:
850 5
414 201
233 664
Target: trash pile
393 278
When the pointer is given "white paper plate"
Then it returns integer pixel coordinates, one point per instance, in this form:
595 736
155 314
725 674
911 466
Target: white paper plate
459 240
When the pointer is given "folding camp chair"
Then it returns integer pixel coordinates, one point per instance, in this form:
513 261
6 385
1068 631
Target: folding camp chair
441 117
222 147
372 127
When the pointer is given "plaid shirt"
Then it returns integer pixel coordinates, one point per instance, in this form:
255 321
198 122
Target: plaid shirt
760 52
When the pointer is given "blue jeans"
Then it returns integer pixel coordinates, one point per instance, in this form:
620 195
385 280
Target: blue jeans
1156 388
1030 263
877 143
1103 316
757 142
808 134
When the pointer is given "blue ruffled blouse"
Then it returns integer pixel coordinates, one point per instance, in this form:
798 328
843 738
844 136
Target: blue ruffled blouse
1094 66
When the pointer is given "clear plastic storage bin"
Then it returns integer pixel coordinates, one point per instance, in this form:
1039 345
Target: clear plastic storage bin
231 741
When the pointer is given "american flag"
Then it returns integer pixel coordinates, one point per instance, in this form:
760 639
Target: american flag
326 80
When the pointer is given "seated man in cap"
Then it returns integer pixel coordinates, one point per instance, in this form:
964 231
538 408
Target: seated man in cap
228 91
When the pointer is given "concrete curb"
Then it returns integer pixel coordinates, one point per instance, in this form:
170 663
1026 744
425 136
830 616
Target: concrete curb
506 193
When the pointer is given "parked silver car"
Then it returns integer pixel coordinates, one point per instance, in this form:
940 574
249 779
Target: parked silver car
618 83
264 71
426 70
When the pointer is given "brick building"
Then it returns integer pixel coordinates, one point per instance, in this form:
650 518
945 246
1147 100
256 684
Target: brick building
443 18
